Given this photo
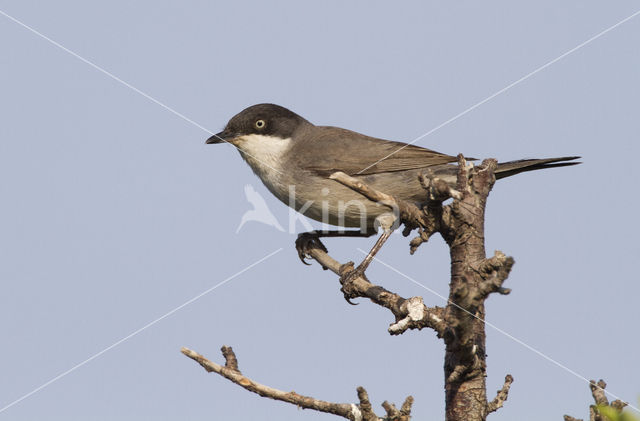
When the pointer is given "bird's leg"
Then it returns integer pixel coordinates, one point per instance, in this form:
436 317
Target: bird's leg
348 275
308 240
375 249
369 257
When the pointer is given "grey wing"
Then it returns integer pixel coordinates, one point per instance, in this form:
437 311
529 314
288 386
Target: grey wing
334 149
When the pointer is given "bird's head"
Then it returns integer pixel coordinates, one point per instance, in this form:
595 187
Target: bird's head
259 121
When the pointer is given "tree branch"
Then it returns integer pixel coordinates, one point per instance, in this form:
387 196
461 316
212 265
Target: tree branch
355 412
409 313
461 323
502 395
473 278
370 193
601 403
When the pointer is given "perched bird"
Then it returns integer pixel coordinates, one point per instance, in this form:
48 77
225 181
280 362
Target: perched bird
294 159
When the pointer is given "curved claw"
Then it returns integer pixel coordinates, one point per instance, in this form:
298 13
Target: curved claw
346 277
347 299
302 256
305 242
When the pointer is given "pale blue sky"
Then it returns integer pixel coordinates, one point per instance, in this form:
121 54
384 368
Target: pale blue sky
114 211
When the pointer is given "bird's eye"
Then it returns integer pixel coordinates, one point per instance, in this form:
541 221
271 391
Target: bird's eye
260 124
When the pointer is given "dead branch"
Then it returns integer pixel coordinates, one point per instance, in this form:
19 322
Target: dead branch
600 399
502 395
409 313
403 414
370 193
473 278
427 220
355 412
460 324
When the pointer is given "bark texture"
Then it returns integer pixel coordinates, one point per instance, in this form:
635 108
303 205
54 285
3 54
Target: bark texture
465 356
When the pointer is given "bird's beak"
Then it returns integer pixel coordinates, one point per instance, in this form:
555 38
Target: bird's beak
223 136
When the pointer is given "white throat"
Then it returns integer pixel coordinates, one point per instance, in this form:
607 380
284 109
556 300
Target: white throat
264 154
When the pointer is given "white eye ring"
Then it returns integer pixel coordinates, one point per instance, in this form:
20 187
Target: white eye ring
260 124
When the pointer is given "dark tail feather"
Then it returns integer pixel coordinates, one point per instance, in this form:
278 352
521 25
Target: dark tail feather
507 169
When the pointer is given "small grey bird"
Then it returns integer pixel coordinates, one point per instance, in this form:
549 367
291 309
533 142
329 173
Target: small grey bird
294 159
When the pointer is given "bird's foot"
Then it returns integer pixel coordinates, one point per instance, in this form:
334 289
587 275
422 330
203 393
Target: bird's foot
306 242
347 275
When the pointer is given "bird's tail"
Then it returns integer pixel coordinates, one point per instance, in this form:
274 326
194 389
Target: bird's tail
507 169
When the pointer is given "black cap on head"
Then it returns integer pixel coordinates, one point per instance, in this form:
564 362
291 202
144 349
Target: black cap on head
264 119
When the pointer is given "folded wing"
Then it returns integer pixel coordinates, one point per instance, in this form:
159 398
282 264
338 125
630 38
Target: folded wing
363 155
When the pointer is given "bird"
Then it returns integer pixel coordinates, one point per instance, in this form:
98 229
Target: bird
295 158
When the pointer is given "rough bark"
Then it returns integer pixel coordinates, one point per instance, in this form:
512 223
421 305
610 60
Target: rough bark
465 357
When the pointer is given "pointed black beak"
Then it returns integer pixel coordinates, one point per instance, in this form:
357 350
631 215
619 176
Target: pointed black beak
223 136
